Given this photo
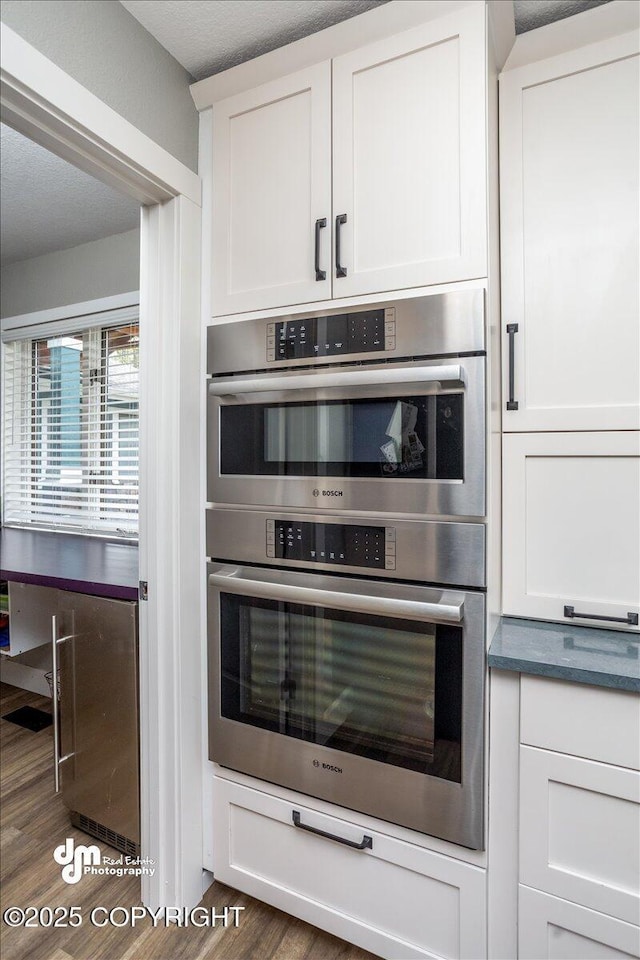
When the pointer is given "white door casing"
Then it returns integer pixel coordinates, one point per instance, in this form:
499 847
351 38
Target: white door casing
51 108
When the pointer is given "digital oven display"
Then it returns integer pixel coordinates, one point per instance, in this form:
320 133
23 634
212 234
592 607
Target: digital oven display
347 544
328 336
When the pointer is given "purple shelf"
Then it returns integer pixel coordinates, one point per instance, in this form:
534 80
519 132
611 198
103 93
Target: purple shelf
102 568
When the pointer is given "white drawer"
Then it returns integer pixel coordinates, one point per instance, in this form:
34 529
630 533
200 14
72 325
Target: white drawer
553 929
585 721
580 831
394 899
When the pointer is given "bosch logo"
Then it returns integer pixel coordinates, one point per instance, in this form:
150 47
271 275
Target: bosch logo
327 766
327 493
330 766
316 492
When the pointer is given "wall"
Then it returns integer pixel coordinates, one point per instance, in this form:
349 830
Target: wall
104 48
101 268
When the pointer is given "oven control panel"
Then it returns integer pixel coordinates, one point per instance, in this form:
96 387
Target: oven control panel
368 331
349 544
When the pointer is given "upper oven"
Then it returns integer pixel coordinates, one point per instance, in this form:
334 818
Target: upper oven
377 410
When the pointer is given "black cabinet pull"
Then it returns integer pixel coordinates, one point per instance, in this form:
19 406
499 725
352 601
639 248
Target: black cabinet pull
365 844
340 270
512 329
320 274
631 618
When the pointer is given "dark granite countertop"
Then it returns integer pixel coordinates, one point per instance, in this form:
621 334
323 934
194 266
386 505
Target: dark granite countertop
604 658
102 568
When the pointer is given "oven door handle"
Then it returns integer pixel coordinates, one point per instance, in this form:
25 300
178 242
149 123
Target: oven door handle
450 609
361 377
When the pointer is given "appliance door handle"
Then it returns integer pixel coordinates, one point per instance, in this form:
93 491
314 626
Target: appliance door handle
361 377
450 610
55 643
340 270
320 274
365 844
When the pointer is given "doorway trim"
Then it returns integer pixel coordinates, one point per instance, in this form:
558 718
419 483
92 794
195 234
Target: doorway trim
51 108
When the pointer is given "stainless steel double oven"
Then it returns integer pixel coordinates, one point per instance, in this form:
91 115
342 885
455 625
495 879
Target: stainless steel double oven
346 545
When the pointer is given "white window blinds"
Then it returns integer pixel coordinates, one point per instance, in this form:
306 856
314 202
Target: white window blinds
70 430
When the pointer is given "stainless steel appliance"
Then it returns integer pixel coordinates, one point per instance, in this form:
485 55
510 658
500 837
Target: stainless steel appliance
96 754
346 613
424 551
378 410
362 692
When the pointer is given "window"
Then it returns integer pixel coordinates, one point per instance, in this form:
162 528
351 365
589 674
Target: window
70 429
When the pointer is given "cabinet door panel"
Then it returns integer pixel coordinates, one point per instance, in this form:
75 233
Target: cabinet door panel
409 160
580 831
571 513
346 891
570 192
271 182
553 929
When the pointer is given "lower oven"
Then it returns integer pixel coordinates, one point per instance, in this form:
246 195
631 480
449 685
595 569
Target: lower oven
363 692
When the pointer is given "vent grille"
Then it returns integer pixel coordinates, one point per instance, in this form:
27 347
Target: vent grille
98 830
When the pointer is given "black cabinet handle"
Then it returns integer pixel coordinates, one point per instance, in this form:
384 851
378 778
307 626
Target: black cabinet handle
365 844
631 618
320 274
340 270
512 329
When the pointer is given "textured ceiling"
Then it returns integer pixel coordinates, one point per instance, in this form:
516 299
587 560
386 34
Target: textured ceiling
208 36
48 205
530 14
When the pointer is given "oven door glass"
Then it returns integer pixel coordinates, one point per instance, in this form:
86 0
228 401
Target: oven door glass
416 437
386 689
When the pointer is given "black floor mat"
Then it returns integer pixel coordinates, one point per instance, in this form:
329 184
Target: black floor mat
29 717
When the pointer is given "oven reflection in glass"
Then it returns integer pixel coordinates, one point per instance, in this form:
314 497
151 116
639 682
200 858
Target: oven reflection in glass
365 685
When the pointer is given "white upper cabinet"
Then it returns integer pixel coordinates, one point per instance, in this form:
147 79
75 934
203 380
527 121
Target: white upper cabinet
570 196
571 515
271 186
409 168
404 153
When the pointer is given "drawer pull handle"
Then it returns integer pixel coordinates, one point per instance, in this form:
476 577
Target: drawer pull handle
320 274
631 618
340 270
365 844
512 329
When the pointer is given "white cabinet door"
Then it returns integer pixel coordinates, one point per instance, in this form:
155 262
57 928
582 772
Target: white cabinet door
409 169
580 831
553 929
30 610
271 184
569 186
394 898
571 514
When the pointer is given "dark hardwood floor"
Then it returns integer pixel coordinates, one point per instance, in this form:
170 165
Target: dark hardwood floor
34 821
